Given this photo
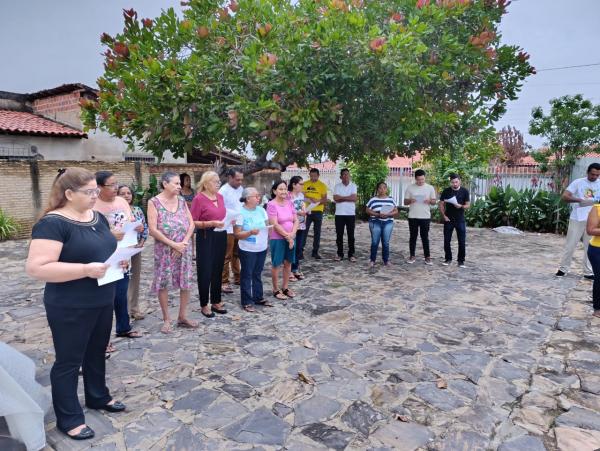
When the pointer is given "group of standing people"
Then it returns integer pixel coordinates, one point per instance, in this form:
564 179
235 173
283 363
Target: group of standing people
230 232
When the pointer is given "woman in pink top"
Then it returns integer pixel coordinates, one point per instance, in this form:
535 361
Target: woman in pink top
283 218
208 212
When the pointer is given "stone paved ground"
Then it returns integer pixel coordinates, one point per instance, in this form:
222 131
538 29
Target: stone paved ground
516 348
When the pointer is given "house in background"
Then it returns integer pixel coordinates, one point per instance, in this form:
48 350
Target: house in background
47 125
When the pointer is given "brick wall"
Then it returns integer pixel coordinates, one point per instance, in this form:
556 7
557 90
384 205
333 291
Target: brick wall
25 185
50 105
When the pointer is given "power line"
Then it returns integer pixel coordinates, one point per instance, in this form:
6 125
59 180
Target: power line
567 67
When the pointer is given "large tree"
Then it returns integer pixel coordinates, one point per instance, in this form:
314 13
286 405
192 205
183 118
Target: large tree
570 129
299 80
513 145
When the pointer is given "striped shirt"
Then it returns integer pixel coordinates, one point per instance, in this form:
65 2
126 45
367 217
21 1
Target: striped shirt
377 203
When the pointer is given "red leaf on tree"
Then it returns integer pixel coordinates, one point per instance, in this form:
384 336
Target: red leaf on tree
422 3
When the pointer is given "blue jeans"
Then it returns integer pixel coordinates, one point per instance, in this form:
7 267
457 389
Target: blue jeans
251 287
380 231
300 239
121 310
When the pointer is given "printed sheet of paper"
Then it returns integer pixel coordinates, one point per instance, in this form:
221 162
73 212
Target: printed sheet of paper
114 271
582 213
420 198
385 209
131 236
230 216
312 206
452 201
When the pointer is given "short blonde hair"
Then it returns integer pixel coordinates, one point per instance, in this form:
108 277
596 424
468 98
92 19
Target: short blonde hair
206 177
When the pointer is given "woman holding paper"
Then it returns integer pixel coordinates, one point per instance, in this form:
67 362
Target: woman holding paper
118 214
282 216
133 291
172 227
67 244
296 196
251 232
381 210
208 212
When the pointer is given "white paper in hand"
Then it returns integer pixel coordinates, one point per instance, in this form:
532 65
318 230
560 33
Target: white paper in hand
312 206
385 209
230 217
131 236
452 201
114 271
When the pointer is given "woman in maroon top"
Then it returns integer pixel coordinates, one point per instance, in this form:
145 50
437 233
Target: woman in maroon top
208 211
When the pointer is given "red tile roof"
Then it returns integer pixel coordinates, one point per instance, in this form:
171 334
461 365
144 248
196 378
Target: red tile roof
21 123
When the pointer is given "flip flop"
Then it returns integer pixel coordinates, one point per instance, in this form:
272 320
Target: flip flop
110 348
264 303
249 308
166 328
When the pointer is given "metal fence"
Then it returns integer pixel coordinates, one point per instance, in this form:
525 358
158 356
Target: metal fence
518 177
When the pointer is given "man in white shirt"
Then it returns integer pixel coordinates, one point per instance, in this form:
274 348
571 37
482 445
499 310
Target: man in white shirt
580 194
232 192
419 197
344 196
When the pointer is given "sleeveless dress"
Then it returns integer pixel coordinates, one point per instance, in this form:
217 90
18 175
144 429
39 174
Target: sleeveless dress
171 271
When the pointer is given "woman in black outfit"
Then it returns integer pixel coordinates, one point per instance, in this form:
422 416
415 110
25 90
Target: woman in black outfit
67 244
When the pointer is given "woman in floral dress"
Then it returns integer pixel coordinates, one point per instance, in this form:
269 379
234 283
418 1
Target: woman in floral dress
171 225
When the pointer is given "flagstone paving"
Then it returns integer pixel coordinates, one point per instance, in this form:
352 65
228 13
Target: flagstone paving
500 355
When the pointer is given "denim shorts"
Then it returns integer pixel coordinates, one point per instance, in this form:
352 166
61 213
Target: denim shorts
280 251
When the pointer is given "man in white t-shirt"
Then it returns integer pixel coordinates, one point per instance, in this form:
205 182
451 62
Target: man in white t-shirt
419 197
231 192
344 196
580 194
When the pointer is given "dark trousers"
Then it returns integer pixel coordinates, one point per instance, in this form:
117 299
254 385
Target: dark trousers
418 226
348 222
80 337
251 286
316 218
593 253
461 234
300 239
210 259
121 311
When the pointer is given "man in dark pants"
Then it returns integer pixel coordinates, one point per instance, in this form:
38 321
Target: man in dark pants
344 196
315 192
453 203
419 197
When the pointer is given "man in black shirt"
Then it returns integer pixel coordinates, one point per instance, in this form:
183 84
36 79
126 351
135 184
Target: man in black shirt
454 200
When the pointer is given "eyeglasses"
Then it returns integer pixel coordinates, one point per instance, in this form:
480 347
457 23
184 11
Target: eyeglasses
111 185
89 192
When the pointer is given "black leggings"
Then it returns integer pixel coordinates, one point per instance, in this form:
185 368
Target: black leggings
80 337
210 259
594 256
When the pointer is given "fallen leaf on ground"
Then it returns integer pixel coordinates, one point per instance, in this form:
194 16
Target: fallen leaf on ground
403 418
236 318
169 404
129 380
306 379
308 344
442 383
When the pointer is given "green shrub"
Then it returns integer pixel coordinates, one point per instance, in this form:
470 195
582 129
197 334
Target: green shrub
8 226
366 173
529 210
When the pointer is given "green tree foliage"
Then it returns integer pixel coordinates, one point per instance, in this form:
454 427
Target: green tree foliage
345 78
366 173
572 126
469 161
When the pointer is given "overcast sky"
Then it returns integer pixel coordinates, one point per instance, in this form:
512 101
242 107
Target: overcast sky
45 43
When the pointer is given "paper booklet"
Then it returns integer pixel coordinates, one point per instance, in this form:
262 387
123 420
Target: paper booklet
452 201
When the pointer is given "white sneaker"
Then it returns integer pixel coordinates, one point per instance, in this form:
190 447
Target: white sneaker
428 262
446 262
462 265
411 260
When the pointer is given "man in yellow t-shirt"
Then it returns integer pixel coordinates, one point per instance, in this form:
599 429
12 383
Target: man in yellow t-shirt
315 192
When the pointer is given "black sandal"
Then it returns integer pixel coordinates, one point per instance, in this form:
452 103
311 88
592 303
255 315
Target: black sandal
130 334
287 292
279 293
264 303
